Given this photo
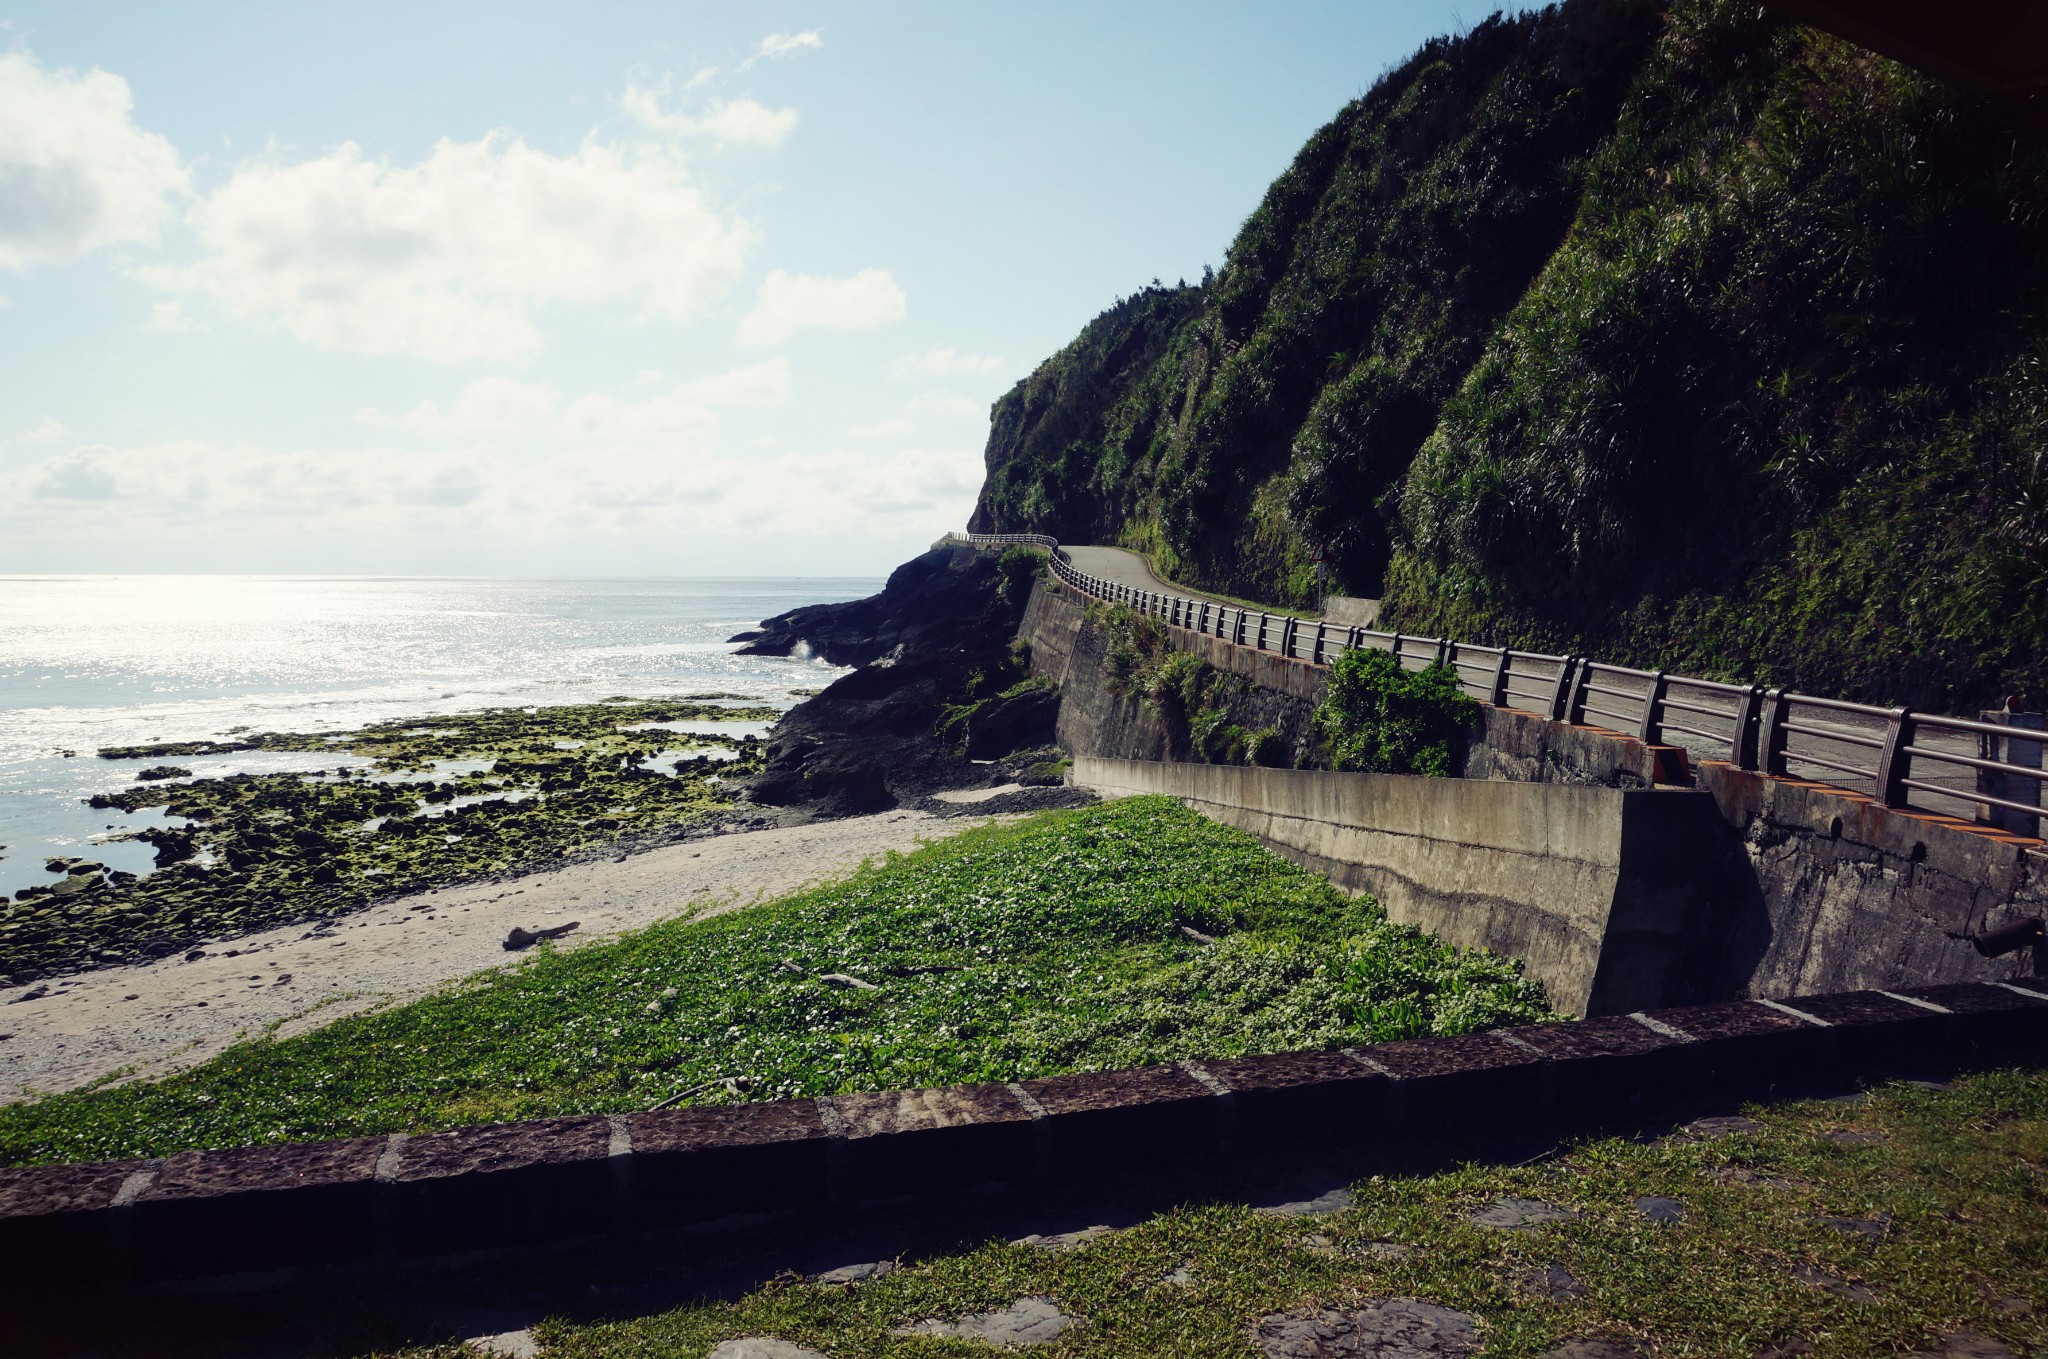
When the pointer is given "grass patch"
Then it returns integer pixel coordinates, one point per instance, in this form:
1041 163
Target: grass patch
1748 1268
1029 949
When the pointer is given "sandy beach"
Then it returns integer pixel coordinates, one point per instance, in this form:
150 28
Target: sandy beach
151 1019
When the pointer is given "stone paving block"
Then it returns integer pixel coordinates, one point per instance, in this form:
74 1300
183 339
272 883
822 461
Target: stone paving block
483 1187
1333 1201
1744 1046
1304 1099
56 1221
1514 1214
762 1347
1102 1122
259 1208
696 1165
1396 1329
1554 1282
1873 1227
848 1275
1027 1321
1967 1345
1840 1287
1592 1348
928 1141
1463 1082
1660 1210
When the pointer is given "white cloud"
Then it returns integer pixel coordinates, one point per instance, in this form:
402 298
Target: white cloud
170 318
728 122
646 483
507 406
947 403
486 406
762 384
445 259
76 173
783 44
881 429
788 303
50 431
945 363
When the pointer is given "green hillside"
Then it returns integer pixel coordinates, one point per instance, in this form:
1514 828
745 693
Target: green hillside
1676 335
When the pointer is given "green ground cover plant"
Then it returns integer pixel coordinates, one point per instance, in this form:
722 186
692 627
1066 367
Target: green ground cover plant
1057 944
1379 716
409 805
1750 1268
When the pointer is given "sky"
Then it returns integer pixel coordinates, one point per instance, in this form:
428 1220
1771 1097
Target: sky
592 290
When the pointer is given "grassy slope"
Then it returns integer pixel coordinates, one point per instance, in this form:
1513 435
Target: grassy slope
1052 945
1703 341
1958 1173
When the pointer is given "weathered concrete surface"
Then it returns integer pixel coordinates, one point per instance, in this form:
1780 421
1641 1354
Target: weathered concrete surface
1096 720
1781 887
1507 744
1350 611
1839 893
1599 891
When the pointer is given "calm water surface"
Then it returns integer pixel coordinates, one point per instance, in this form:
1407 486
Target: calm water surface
96 661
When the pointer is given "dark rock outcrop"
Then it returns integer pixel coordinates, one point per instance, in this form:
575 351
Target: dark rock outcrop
938 636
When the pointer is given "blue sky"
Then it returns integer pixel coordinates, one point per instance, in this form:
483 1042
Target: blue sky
592 290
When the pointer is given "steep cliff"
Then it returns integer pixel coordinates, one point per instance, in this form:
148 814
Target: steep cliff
1676 335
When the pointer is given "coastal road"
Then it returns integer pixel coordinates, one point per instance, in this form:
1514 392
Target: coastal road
1127 568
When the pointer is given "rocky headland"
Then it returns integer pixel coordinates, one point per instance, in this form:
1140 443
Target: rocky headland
940 700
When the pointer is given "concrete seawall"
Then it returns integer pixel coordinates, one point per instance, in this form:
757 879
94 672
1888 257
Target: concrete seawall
1603 893
1711 881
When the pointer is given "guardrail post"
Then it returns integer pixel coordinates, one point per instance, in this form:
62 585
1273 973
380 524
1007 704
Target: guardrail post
1650 728
1287 632
1499 688
1321 630
1742 745
1566 668
1771 740
1893 762
1443 651
1575 706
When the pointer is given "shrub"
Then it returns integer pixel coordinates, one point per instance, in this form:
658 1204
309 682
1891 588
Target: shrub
1377 716
1018 567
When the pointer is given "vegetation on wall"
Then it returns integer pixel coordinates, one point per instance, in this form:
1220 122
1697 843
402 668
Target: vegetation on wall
1379 717
1676 334
1206 712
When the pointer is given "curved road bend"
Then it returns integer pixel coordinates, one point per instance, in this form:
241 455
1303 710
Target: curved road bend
1126 568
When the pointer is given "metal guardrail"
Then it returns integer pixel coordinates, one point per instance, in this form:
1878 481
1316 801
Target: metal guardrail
1901 758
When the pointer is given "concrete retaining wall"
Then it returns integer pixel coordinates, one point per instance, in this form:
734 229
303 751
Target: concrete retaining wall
1797 887
108 1227
1603 893
1507 743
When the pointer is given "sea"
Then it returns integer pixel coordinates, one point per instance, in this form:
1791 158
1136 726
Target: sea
93 661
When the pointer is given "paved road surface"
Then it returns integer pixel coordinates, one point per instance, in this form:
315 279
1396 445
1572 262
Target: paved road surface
1125 568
